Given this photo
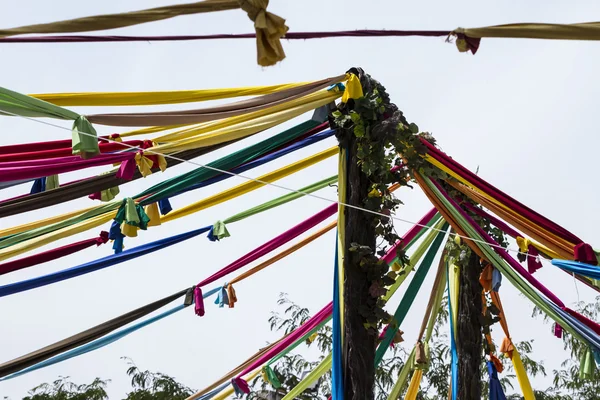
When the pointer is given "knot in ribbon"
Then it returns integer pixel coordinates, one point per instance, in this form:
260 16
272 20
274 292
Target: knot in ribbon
102 238
270 28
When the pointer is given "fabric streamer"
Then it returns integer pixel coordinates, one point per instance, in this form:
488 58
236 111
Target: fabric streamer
429 321
247 186
158 98
409 239
325 365
496 392
591 271
135 252
96 265
160 191
53 254
337 383
453 351
31 154
219 112
299 332
409 295
21 170
238 264
269 27
84 337
471 230
104 341
473 180
413 388
13 103
83 188
520 270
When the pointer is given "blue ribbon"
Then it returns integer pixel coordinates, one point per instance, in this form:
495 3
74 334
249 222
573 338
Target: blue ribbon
591 271
99 343
98 264
39 185
453 352
337 376
496 392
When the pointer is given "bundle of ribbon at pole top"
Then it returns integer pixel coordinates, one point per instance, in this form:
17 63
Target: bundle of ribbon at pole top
170 138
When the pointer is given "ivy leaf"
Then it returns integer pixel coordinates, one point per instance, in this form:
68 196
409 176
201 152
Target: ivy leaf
359 131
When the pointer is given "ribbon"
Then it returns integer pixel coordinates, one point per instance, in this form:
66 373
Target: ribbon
151 211
126 170
117 236
507 347
240 386
558 330
496 280
102 238
198 301
232 298
52 182
218 231
165 206
222 298
144 164
587 364
420 354
486 277
131 216
354 88
271 377
105 195
84 138
497 363
584 253
39 185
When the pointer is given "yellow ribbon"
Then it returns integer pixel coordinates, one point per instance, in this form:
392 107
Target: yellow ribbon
152 211
413 388
353 90
249 186
144 164
157 98
523 244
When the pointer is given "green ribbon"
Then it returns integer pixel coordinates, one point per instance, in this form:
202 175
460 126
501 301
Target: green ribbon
513 277
272 377
587 364
85 140
174 185
325 365
52 182
109 194
409 295
220 230
283 199
132 214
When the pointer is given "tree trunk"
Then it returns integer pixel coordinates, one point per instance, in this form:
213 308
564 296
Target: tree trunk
359 344
469 343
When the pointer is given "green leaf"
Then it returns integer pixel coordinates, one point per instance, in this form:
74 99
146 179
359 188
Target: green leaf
359 131
414 128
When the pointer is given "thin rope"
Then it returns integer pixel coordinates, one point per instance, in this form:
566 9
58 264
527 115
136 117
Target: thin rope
288 36
508 249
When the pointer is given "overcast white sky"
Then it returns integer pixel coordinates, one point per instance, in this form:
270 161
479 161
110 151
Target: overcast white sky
523 111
